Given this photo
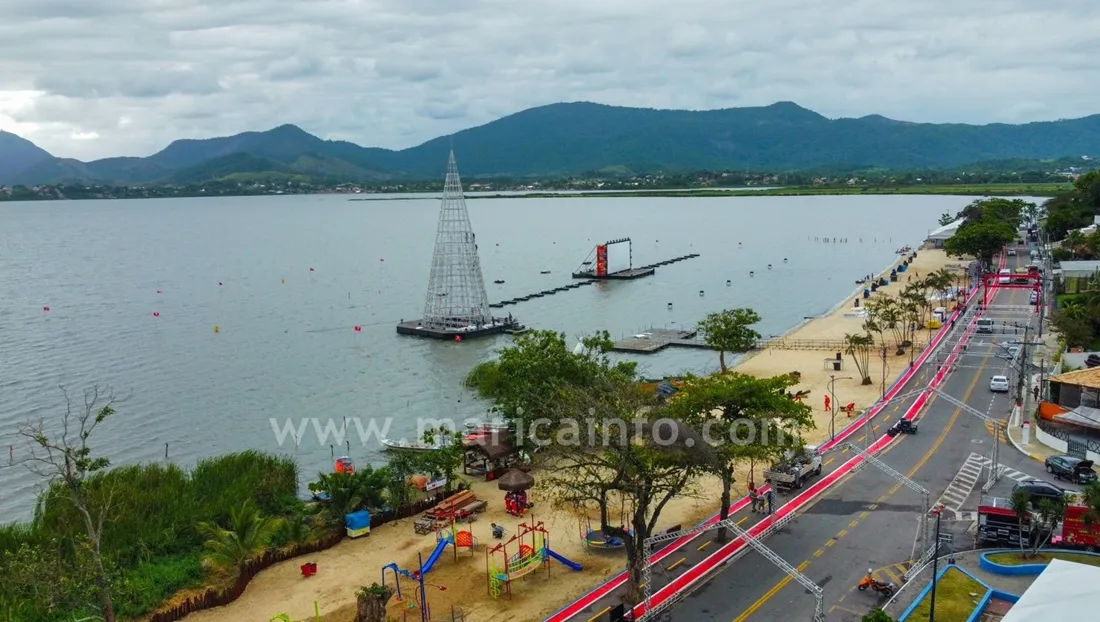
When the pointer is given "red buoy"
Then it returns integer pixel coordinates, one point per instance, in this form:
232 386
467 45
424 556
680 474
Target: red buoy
458 337
160 291
156 313
358 329
45 308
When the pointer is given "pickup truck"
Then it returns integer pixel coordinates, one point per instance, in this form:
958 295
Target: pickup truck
795 470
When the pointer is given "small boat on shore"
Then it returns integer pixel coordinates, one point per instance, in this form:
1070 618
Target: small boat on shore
390 444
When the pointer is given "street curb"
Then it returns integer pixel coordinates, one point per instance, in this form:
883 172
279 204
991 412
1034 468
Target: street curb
1008 433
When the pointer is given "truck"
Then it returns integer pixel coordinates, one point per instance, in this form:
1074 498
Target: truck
795 469
998 524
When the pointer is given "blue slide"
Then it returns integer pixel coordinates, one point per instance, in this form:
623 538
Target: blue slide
435 555
571 564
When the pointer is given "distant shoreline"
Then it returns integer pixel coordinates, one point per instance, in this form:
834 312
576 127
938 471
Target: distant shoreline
1037 190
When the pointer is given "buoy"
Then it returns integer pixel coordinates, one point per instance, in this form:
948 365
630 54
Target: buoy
727 282
311 269
45 308
784 260
670 305
159 291
751 273
358 329
700 292
217 329
381 259
156 313
219 283
283 281
769 266
458 337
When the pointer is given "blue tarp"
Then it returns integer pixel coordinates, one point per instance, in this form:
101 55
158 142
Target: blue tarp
357 520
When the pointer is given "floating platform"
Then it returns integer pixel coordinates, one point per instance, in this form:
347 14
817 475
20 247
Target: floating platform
417 329
657 339
634 273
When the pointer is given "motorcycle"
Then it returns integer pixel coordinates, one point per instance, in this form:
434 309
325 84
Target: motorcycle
882 587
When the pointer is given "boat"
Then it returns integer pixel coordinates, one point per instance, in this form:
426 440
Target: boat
404 445
545 272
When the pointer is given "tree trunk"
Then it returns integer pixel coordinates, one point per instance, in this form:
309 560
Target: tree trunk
724 512
101 573
722 360
371 607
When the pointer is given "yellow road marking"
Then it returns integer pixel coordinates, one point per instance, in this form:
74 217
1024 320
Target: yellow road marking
705 545
673 566
920 464
599 615
853 524
864 514
819 552
829 461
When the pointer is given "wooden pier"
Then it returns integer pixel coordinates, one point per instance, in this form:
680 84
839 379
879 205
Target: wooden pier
545 292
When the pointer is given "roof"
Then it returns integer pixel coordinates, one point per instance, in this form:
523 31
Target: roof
947 231
1081 378
494 450
1080 268
1082 416
1064 591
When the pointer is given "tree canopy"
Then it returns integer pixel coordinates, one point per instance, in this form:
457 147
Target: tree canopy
730 331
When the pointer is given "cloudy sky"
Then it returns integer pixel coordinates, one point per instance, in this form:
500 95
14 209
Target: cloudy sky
97 78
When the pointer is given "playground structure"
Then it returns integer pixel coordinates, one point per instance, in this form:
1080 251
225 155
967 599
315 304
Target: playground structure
453 538
528 559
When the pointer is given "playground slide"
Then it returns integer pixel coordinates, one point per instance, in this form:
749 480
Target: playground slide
571 564
435 555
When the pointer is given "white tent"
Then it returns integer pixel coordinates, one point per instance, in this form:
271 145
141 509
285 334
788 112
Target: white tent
1064 591
938 236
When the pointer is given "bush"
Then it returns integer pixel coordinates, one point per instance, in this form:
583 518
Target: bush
144 587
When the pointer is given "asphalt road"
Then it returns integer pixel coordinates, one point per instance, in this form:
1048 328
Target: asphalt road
870 519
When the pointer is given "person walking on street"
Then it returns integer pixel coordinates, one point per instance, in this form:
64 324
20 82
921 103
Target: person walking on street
827 403
755 498
771 499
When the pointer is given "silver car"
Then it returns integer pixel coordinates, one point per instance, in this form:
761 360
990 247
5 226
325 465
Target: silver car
998 384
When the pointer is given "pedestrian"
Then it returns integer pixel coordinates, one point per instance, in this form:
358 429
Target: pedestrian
1035 390
771 500
755 499
827 403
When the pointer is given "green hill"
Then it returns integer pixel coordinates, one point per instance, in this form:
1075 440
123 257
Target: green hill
578 138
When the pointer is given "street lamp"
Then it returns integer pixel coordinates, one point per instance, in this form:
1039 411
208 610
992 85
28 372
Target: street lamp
935 565
832 392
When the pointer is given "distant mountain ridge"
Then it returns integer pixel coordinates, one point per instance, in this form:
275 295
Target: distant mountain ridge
575 138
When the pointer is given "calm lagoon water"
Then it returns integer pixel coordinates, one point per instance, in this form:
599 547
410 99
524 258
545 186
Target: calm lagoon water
286 346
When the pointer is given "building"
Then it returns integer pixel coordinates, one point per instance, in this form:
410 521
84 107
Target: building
1063 591
1077 275
938 237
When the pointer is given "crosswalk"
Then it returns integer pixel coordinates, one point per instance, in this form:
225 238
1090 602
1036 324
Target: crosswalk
958 491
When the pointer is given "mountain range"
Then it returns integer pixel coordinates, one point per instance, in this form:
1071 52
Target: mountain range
575 138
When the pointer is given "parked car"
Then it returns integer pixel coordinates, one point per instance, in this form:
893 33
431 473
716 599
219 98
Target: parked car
1011 252
1071 468
998 384
1040 490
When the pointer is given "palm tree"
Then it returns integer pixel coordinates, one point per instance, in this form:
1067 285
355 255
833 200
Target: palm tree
248 533
1021 505
859 348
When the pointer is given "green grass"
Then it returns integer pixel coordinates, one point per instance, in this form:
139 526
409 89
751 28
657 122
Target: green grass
1014 558
953 600
1039 189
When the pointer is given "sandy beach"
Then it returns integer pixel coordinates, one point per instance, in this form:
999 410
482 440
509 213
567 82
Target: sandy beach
356 563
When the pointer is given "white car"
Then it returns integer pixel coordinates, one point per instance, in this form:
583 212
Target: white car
998 384
1011 252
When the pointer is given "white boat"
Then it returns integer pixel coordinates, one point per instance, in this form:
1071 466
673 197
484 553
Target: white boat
404 445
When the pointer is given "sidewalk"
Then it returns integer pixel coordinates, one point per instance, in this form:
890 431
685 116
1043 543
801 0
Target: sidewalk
1033 447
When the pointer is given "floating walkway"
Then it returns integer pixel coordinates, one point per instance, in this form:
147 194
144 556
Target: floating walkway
545 292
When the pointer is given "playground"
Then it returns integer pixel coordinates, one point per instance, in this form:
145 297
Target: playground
352 564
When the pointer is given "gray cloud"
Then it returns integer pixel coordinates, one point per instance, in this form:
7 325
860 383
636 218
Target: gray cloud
394 73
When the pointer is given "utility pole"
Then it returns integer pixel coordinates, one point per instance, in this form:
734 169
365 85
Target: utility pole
935 568
884 371
1022 374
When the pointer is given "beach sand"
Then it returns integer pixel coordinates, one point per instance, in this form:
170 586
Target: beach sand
352 564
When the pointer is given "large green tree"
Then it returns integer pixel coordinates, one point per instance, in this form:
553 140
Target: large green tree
528 377
730 331
743 418
612 445
981 239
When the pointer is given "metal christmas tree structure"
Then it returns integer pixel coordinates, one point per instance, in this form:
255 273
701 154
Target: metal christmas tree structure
456 304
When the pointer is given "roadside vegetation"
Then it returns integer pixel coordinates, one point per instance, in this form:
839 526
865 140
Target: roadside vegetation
116 543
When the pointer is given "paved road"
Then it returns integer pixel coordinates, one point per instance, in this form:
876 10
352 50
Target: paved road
870 520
